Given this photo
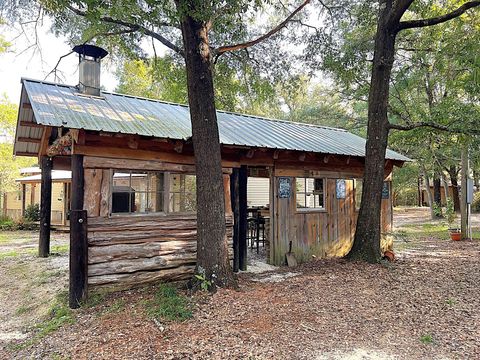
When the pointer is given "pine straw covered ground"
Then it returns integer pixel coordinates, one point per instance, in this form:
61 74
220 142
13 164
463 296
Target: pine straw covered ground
424 305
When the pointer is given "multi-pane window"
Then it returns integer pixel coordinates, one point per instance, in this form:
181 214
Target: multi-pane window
137 192
152 192
310 193
358 184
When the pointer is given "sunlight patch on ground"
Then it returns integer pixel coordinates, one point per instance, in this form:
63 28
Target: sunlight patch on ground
357 354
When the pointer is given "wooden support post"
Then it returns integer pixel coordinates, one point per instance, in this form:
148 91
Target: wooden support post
24 194
78 258
78 236
242 240
45 206
235 201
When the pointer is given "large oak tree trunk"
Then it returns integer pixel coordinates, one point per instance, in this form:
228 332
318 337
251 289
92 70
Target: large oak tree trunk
366 245
212 251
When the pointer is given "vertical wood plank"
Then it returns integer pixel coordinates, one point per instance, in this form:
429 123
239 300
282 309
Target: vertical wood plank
105 193
92 195
235 201
242 239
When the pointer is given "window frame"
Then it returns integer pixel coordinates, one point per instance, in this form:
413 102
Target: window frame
324 195
165 193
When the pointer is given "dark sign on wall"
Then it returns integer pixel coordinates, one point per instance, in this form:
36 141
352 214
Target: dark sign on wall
385 191
284 187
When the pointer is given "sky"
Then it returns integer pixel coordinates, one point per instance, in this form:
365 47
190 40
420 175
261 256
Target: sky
36 63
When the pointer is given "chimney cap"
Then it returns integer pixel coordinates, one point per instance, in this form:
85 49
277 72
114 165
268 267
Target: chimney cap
91 50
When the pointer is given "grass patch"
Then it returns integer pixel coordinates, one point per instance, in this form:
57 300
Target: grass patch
450 302
59 315
426 339
59 249
23 310
9 254
94 299
45 277
168 304
117 306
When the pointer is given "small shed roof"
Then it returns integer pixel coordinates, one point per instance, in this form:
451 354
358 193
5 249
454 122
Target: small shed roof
61 105
57 175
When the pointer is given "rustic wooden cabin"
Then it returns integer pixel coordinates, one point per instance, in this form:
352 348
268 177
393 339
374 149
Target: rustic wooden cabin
133 190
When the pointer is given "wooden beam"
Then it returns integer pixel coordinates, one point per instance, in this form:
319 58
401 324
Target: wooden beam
326 158
45 206
275 154
348 160
123 153
242 232
78 258
78 236
235 201
302 156
26 106
30 124
29 140
22 153
47 131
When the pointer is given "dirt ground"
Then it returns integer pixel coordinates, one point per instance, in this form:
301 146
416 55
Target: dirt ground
28 284
422 306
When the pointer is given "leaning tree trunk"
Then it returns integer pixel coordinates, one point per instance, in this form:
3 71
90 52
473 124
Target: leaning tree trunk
212 248
428 191
366 244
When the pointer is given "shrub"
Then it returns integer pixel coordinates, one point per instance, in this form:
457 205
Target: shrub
6 223
476 202
32 212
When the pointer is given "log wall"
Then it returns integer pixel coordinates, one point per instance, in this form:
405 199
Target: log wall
125 251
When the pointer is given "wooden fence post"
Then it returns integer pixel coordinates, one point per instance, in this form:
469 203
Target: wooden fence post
45 206
78 258
242 238
78 237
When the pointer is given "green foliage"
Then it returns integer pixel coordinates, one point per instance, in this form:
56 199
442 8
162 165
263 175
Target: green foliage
6 223
32 212
168 304
426 339
205 284
476 202
450 213
437 210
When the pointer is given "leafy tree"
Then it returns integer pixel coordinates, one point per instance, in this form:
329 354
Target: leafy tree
368 44
191 30
9 166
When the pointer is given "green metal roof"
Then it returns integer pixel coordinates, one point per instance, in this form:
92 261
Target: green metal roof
61 105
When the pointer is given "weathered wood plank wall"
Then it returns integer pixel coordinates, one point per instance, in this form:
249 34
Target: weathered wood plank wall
319 233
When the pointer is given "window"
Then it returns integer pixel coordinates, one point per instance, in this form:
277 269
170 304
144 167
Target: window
137 192
358 185
152 192
182 193
310 193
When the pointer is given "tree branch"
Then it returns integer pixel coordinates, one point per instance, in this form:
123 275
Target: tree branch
134 27
401 6
433 126
223 49
439 19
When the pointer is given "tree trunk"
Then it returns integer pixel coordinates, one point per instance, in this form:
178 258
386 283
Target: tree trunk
428 191
366 244
453 173
445 187
437 194
463 198
212 251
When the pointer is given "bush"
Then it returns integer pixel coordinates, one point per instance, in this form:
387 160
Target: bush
32 212
476 202
6 223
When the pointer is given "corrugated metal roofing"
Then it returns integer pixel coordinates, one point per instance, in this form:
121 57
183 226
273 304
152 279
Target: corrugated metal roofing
61 105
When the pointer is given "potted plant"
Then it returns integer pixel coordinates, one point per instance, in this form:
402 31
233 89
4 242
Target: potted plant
455 233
